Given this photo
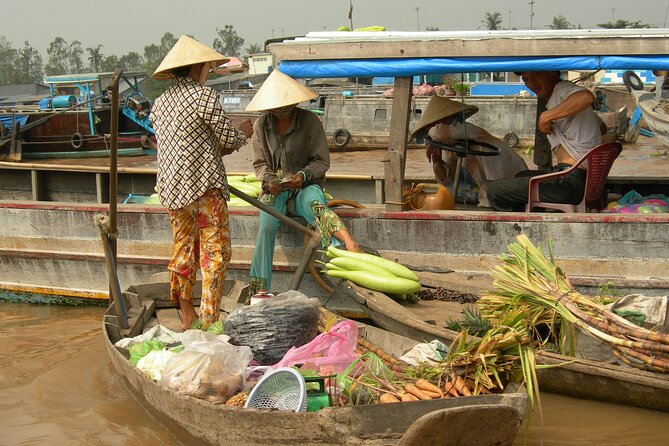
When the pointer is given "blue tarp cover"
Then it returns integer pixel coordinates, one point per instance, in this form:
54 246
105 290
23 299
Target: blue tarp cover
8 121
438 65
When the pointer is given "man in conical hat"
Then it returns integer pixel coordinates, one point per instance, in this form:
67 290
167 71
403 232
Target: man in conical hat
290 157
444 121
193 134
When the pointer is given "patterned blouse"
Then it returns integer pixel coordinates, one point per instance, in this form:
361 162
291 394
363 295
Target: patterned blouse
191 129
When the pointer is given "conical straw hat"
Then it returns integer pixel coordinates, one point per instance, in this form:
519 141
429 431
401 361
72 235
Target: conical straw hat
439 108
187 51
279 90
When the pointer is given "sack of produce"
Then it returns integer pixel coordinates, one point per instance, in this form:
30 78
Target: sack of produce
208 368
271 328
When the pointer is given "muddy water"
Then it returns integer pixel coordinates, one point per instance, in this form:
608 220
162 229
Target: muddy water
58 387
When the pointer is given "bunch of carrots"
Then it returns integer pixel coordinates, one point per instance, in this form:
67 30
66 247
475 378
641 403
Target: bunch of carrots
372 272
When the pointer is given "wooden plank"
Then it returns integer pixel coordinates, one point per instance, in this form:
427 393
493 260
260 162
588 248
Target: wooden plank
169 317
397 145
393 161
490 47
36 185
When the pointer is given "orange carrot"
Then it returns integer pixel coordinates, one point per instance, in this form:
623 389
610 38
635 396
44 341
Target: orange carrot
461 386
388 398
412 389
427 386
433 395
449 388
409 397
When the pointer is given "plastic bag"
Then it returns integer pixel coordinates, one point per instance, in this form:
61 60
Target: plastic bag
646 311
328 352
140 349
270 328
207 368
154 362
433 352
159 332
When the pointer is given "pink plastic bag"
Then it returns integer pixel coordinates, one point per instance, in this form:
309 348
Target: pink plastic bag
328 352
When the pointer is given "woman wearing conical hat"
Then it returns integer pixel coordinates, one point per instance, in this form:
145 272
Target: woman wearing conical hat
193 134
290 157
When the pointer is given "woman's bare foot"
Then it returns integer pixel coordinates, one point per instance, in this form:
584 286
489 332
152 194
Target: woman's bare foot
188 314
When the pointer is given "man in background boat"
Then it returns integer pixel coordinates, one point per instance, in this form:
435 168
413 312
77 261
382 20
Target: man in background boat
193 134
290 158
444 121
572 128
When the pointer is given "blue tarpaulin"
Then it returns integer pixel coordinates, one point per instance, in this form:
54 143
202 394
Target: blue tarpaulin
403 67
8 121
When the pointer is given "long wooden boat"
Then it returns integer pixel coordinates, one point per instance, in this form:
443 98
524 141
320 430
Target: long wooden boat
478 420
581 378
74 120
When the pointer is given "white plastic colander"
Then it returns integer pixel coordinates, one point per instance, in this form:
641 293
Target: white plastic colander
282 389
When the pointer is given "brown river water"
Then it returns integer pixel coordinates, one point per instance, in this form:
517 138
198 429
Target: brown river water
58 387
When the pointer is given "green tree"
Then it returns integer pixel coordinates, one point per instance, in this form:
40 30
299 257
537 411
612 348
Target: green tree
8 57
57 62
95 57
622 24
153 55
228 42
253 49
28 65
109 64
492 20
560 22
74 57
131 62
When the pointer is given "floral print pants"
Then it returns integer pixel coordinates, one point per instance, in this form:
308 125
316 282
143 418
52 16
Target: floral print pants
201 232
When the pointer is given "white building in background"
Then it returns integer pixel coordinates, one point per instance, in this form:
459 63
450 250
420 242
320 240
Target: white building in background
260 63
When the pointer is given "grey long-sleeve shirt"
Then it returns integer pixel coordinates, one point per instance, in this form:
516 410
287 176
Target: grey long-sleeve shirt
302 148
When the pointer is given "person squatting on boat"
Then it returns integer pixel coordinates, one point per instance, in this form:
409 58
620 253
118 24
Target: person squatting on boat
290 157
193 134
444 121
572 129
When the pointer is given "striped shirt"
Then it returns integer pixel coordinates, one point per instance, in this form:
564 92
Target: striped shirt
191 128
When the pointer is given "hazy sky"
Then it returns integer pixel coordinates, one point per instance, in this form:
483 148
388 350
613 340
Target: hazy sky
122 26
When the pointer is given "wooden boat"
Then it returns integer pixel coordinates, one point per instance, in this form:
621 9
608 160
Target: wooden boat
571 376
73 120
478 420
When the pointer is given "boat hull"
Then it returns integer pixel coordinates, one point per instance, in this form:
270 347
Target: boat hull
71 132
56 245
490 419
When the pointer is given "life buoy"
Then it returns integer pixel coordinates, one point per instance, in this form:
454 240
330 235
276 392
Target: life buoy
77 140
341 137
632 81
511 139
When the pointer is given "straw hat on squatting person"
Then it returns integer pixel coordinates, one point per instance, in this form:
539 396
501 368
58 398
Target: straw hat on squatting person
445 121
193 135
280 90
290 158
